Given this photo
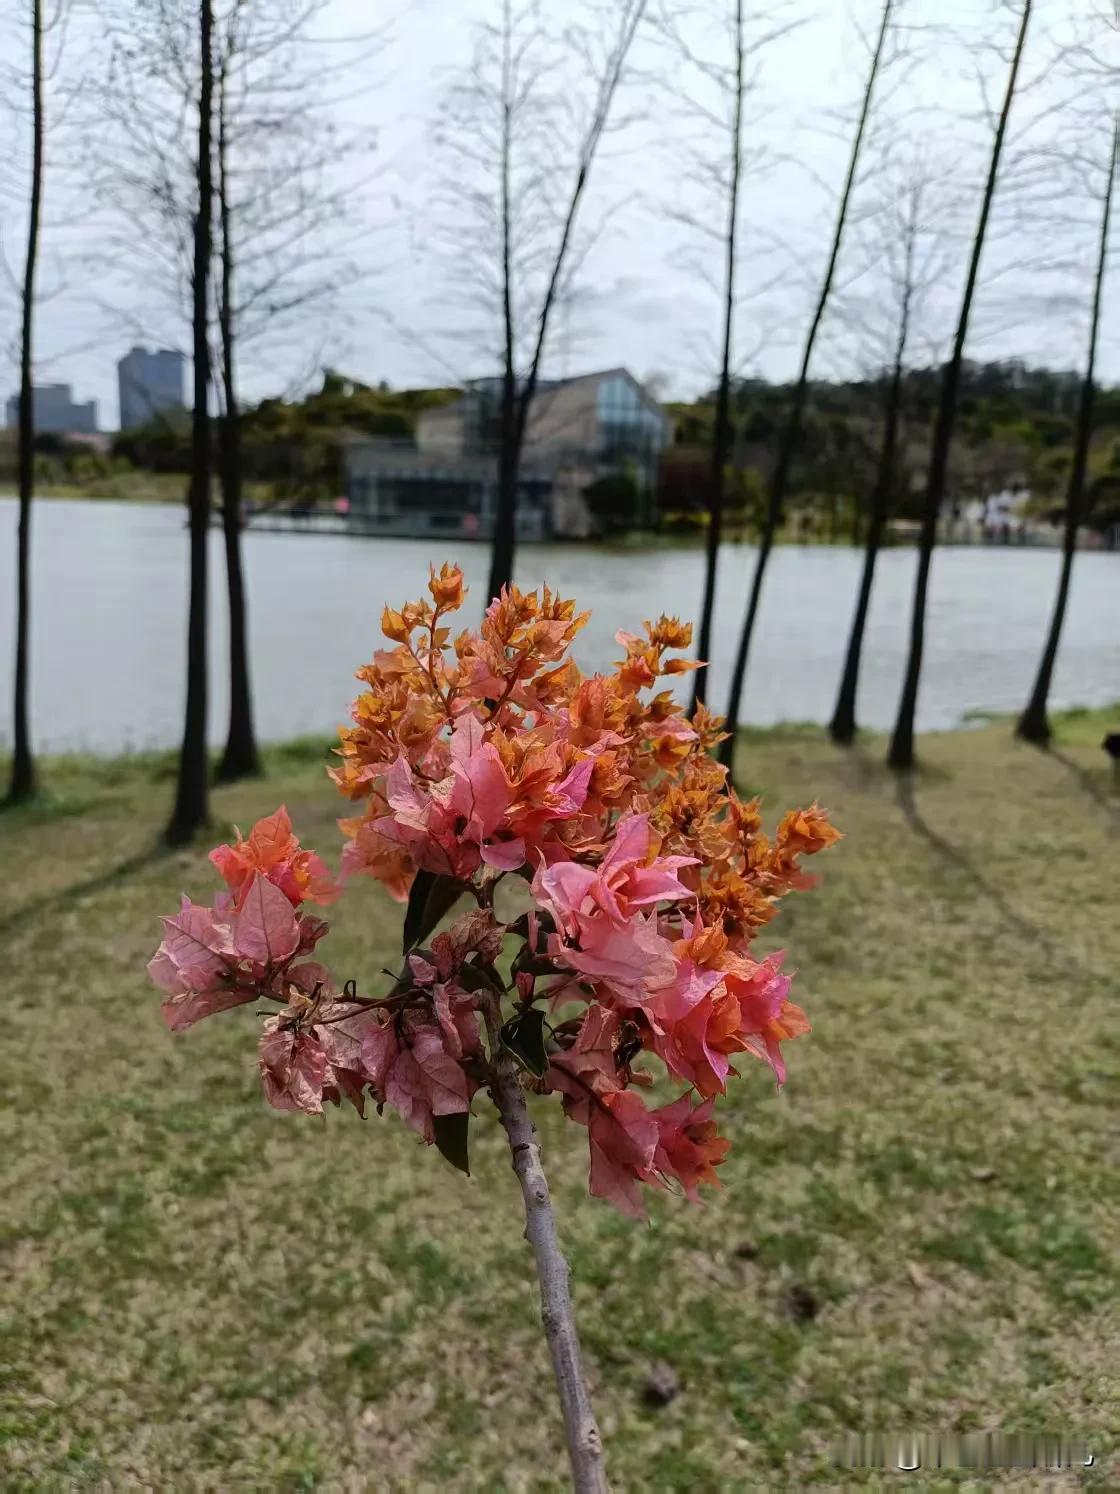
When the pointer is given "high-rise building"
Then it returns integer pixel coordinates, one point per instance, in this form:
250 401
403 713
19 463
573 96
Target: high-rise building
150 384
52 409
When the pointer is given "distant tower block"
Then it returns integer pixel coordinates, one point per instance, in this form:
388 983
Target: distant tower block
150 385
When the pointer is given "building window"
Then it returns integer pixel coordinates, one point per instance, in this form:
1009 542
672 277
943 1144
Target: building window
628 426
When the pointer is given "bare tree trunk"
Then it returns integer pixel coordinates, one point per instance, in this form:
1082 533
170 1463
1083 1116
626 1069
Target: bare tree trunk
721 432
515 403
22 783
192 796
792 430
842 727
1034 723
585 1445
901 754
505 518
241 758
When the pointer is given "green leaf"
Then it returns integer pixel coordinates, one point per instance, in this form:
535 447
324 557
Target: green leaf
432 896
450 1134
534 964
475 978
523 1035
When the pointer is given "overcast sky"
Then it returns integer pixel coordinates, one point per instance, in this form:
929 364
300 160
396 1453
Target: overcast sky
645 297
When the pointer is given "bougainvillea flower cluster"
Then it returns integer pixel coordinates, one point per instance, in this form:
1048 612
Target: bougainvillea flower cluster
613 883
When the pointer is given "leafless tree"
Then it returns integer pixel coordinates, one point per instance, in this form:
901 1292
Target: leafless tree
286 229
1034 723
38 97
730 80
901 753
22 782
192 792
779 480
908 259
721 432
707 85
241 757
286 232
504 129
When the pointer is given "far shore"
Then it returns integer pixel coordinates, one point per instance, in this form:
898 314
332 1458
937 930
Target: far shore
171 490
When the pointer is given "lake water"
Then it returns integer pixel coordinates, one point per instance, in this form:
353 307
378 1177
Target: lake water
109 621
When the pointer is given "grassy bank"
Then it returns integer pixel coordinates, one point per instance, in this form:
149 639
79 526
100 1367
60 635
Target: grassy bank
138 487
920 1232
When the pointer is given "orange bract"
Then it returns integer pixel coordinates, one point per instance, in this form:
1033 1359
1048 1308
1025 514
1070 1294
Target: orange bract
542 717
486 755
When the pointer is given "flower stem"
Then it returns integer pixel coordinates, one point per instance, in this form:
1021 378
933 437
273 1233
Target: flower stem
585 1446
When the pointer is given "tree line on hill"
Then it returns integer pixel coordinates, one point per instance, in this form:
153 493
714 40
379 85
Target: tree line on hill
895 443
1016 426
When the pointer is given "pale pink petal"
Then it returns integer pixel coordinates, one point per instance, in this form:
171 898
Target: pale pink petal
624 1138
307 1075
571 791
306 976
615 1184
353 861
482 791
444 1080
631 842
321 886
653 884
342 1037
198 945
401 792
467 737
351 1086
311 930
441 1005
164 973
407 1091
232 868
769 1050
423 971
690 984
380 1048
565 887
458 1020
504 855
761 994
276 1045
266 929
185 1008
293 1070
627 958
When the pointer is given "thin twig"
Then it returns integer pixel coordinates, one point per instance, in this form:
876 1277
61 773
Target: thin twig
585 1446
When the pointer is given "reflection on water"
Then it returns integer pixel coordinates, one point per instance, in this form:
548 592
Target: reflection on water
109 623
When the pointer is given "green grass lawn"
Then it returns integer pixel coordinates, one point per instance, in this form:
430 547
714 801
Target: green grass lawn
137 486
921 1232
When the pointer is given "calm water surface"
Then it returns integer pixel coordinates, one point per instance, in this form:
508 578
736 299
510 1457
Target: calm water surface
109 620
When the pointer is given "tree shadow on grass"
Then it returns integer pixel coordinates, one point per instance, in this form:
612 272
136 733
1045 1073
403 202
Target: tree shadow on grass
1089 783
908 803
872 771
65 897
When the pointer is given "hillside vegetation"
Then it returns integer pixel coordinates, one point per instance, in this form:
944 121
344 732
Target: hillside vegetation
1015 427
